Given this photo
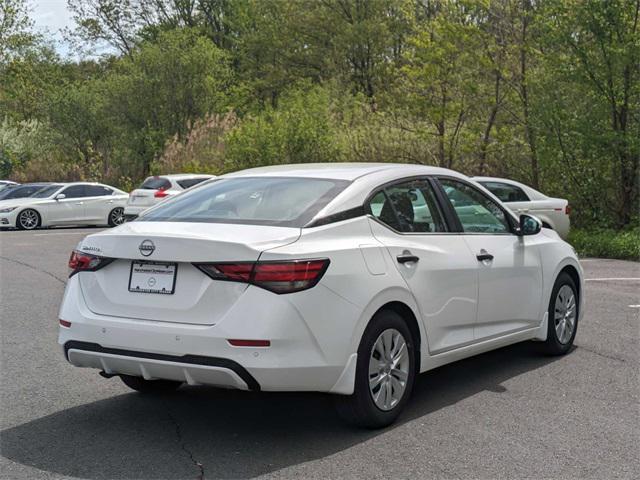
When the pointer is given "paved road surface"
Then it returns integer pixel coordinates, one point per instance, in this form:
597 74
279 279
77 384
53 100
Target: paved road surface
505 414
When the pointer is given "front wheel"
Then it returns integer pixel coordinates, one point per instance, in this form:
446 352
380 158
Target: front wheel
28 219
385 373
562 317
149 386
116 217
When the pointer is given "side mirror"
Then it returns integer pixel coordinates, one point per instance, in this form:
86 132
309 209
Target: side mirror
529 225
60 196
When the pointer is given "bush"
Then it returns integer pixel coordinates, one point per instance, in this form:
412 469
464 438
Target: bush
301 130
607 243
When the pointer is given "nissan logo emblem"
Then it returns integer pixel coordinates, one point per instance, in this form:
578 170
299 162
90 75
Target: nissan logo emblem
147 248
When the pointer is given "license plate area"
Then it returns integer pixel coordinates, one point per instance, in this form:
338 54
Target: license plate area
153 277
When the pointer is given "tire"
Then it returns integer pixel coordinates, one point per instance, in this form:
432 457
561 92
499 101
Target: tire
149 386
564 296
28 219
361 408
116 217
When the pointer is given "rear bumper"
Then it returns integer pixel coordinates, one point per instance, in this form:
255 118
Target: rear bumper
201 354
190 369
135 211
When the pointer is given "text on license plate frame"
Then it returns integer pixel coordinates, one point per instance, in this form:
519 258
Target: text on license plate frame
150 289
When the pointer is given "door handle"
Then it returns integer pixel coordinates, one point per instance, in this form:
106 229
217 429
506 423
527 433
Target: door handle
406 257
80 203
484 255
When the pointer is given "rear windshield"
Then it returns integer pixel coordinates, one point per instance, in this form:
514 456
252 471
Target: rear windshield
156 183
190 182
506 192
277 201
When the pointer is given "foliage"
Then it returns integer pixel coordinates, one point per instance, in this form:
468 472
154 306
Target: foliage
624 244
545 92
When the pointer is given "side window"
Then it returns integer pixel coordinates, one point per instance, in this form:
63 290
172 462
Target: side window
408 207
506 192
74 191
97 191
477 212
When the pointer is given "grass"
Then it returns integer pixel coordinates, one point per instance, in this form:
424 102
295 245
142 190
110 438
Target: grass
602 243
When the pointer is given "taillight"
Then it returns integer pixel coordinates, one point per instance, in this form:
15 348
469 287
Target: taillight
160 193
85 262
278 277
567 209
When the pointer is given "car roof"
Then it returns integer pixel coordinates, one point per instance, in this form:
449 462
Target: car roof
337 171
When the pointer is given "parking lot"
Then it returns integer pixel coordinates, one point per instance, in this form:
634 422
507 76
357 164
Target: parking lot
507 414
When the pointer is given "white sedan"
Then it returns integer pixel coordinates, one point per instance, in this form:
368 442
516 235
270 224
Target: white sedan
60 204
553 212
342 278
157 189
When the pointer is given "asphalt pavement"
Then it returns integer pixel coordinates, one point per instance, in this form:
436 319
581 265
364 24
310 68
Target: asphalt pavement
510 413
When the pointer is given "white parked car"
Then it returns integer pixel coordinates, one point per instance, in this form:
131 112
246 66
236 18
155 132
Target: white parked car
6 184
340 278
158 188
57 204
553 212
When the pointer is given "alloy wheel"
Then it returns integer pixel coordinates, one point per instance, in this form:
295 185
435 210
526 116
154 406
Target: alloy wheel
565 314
28 219
116 217
388 369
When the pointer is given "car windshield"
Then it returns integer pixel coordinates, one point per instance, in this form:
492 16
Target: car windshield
25 191
277 201
46 192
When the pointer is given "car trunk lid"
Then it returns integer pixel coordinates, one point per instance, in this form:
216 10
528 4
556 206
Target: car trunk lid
196 299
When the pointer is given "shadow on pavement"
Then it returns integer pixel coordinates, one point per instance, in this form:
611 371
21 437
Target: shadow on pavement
232 434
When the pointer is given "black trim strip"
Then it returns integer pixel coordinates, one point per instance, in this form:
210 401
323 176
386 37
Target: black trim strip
337 217
242 372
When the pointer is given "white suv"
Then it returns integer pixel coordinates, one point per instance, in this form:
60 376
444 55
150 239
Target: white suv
155 189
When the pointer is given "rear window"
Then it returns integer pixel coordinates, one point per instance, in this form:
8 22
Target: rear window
506 192
156 183
190 182
276 201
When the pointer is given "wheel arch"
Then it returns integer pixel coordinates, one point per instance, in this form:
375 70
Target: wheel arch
409 317
575 276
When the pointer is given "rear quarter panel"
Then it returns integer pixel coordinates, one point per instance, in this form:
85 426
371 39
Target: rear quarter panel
360 282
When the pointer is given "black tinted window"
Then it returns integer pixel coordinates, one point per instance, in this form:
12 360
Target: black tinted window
156 183
277 201
74 191
506 192
190 182
97 191
24 191
408 207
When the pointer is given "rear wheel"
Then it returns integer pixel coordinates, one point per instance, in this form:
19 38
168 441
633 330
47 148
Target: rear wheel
563 316
116 217
385 373
28 219
150 386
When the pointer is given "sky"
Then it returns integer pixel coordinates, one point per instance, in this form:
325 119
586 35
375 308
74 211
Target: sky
51 16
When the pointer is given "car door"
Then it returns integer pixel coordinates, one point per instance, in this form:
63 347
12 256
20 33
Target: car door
435 262
509 270
70 209
98 202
